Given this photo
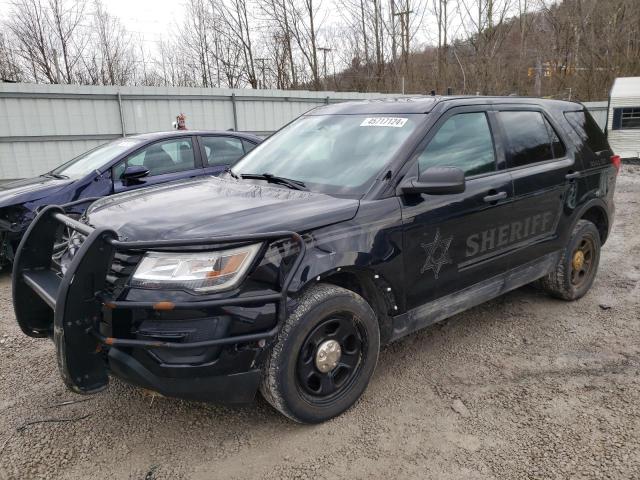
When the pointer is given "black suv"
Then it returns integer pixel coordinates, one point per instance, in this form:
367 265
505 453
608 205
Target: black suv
351 227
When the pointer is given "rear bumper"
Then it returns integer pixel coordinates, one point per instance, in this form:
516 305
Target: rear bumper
199 359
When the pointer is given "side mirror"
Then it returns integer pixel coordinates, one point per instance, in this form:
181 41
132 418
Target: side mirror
435 181
134 172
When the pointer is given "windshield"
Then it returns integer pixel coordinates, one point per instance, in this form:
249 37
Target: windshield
335 154
94 159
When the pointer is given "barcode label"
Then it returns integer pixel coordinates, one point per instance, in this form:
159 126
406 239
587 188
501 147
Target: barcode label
394 122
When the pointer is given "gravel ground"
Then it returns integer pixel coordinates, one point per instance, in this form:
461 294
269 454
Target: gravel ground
524 386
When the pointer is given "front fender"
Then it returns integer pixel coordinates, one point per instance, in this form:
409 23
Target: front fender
369 244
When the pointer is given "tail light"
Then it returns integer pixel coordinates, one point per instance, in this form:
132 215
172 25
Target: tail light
616 161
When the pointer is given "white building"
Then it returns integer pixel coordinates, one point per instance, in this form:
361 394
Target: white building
623 118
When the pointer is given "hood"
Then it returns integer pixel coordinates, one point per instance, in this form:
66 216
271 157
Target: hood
30 189
210 206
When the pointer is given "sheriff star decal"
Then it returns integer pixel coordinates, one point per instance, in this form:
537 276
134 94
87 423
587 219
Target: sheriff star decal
437 254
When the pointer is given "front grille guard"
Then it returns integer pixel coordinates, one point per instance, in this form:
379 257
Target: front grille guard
69 309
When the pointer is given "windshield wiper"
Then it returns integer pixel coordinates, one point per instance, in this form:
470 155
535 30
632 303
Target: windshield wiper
271 178
55 175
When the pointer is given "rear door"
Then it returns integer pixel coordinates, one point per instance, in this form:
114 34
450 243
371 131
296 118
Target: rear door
451 242
220 151
542 173
167 160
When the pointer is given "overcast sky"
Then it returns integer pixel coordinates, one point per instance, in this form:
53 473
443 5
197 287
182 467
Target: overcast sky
153 19
156 19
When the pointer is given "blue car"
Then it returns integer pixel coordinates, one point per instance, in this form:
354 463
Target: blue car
118 166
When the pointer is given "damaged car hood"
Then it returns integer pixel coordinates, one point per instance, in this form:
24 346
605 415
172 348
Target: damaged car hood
30 189
215 206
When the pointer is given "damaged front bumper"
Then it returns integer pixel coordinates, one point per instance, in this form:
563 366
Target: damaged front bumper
178 345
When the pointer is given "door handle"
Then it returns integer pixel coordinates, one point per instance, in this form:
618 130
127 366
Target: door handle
571 175
494 197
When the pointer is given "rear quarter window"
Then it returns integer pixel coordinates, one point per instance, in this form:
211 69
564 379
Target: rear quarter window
587 130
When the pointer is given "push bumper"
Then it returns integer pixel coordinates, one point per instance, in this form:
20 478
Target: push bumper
71 308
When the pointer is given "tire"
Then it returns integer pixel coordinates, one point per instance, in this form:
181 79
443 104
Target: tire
292 382
565 282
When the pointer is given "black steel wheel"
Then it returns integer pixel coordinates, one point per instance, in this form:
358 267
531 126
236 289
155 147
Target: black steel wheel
331 356
575 272
324 355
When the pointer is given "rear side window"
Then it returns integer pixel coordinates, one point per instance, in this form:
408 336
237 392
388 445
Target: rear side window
530 138
588 130
463 141
222 150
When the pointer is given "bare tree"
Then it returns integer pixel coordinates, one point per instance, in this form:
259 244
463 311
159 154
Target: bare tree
10 69
234 15
568 49
278 15
64 18
112 61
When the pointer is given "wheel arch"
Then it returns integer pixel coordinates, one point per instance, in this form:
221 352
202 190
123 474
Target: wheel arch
371 286
596 211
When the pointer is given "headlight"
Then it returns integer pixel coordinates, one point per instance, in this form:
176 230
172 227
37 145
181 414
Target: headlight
201 272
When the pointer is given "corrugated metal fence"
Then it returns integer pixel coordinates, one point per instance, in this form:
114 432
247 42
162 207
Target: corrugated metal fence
42 126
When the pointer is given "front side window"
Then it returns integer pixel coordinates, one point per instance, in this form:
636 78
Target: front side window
222 150
529 138
463 141
335 154
162 157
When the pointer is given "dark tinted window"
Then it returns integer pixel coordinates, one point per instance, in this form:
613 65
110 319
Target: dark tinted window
222 150
588 130
556 144
463 141
530 138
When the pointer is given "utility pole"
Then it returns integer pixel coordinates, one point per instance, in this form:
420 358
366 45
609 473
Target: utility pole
56 65
394 45
262 60
376 27
324 51
364 34
537 87
404 33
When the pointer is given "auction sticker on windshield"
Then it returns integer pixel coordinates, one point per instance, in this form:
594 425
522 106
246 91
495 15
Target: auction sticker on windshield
395 122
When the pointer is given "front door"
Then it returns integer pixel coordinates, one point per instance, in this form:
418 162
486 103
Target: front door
454 241
166 160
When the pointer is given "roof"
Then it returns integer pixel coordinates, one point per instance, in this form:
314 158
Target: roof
177 133
626 87
426 103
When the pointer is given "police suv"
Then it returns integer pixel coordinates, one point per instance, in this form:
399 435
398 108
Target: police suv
353 226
